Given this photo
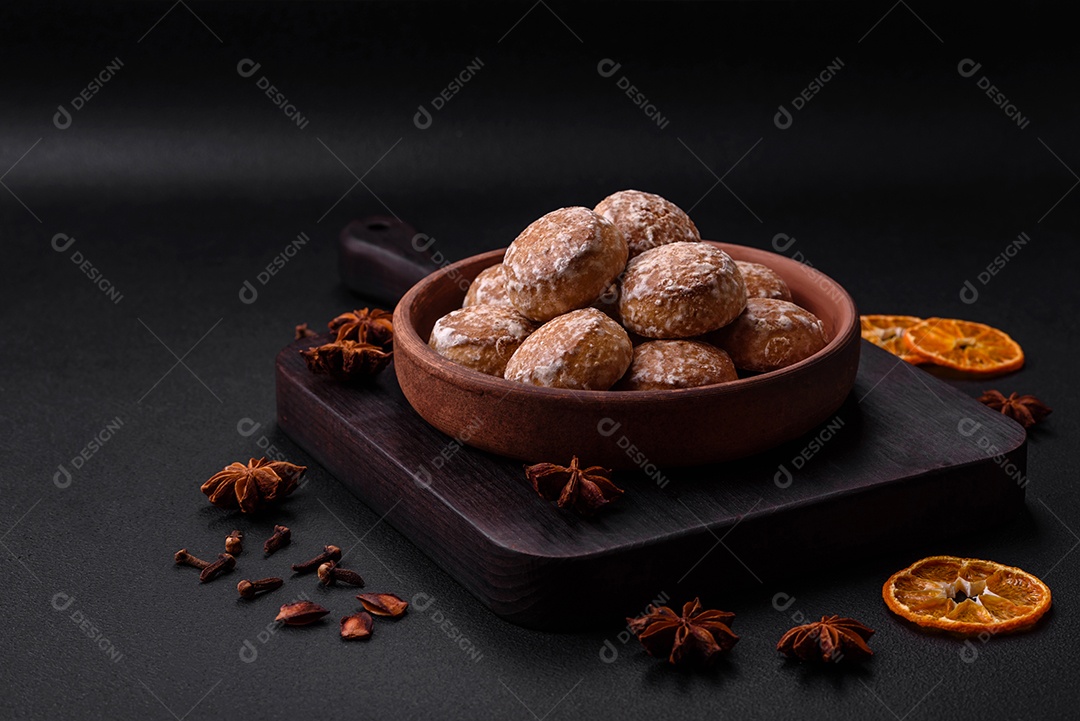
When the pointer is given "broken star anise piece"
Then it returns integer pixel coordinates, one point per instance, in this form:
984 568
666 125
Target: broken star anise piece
1025 410
372 326
585 490
697 635
253 486
383 604
347 360
357 627
302 331
831 639
300 613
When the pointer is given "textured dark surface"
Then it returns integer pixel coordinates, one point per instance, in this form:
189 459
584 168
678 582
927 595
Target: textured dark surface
180 180
905 453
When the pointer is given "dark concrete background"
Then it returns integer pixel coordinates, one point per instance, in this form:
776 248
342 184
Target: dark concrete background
180 180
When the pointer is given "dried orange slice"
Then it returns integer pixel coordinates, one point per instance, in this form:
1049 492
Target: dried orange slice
887 331
964 345
966 596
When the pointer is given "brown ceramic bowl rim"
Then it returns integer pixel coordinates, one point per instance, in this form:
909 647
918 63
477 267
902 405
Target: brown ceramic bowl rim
405 332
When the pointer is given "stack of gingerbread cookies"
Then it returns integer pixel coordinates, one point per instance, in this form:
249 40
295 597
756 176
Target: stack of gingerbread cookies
625 297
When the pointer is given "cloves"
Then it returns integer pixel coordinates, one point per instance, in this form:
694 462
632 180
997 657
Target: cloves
248 589
234 543
225 562
329 574
330 553
183 558
282 537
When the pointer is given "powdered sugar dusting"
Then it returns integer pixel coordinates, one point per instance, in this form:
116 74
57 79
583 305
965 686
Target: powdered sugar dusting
762 281
489 288
647 220
781 315
550 243
677 364
583 349
483 337
693 288
563 261
772 334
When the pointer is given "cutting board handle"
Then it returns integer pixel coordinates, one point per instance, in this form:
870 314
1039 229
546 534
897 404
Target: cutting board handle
381 257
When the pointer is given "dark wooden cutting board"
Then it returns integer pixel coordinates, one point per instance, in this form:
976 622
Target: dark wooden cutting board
906 457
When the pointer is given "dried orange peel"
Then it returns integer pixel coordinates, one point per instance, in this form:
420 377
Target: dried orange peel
964 345
888 331
966 596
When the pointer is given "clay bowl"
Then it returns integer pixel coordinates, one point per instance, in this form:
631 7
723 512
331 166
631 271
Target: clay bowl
664 428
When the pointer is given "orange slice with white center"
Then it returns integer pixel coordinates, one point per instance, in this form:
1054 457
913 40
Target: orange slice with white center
966 596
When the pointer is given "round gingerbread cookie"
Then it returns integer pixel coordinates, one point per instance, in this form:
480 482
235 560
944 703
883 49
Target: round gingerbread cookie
583 349
762 281
681 290
489 288
481 337
771 334
666 364
647 220
562 262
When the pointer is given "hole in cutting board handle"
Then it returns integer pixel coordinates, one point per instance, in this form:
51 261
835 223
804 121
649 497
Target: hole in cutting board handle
378 258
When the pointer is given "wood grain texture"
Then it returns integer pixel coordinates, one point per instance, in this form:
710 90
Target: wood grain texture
905 456
379 257
680 427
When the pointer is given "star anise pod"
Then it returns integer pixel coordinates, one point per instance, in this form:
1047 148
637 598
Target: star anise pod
585 490
347 360
695 636
253 486
372 326
1025 410
831 639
